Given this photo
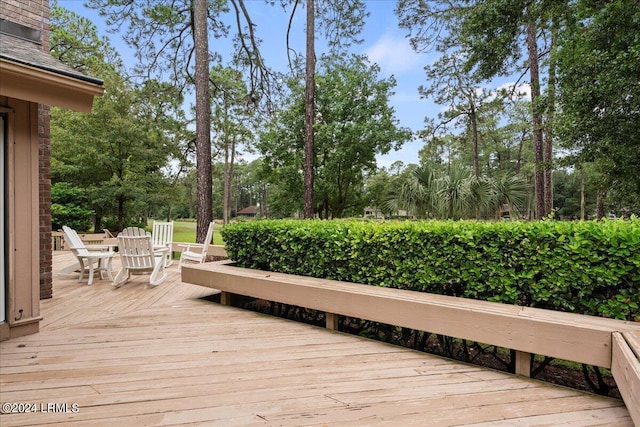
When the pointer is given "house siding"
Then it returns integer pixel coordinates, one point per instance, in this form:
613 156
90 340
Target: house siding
36 14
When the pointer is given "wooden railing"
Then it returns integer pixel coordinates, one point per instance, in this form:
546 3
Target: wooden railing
58 244
592 340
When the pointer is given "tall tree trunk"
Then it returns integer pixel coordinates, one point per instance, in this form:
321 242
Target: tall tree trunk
476 161
264 209
582 198
203 119
520 146
602 194
229 160
474 129
549 125
97 221
309 113
538 149
120 213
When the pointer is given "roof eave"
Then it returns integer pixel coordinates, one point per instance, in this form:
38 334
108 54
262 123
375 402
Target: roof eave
34 84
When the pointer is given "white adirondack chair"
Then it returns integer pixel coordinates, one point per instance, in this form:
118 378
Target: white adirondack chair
134 231
138 256
91 258
196 252
162 237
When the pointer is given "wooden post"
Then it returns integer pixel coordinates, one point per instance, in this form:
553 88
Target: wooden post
332 321
523 363
225 298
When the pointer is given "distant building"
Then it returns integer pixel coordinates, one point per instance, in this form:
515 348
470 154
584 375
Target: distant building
371 212
248 212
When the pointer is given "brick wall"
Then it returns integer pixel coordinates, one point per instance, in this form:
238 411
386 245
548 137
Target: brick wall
30 13
35 14
41 9
44 161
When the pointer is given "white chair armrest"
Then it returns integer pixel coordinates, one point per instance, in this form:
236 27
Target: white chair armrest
191 245
100 248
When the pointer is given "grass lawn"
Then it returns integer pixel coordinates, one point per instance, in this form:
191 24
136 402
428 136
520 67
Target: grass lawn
185 231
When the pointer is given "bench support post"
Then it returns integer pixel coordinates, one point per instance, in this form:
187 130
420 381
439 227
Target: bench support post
225 298
523 363
332 321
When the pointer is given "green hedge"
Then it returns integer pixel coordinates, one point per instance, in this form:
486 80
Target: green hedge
582 267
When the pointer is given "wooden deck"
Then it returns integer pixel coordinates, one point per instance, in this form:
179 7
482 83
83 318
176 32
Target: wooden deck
162 356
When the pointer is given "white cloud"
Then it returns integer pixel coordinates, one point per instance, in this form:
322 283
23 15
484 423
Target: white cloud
523 90
407 154
394 55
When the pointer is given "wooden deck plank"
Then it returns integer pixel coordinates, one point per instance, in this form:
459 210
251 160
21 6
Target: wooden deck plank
490 407
177 372
160 356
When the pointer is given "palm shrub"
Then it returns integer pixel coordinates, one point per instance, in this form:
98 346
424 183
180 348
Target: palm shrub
454 192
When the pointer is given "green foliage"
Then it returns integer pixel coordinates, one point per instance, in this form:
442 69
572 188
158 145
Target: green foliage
74 40
160 31
113 224
341 22
69 207
453 192
583 267
588 53
492 31
567 192
354 123
599 65
120 151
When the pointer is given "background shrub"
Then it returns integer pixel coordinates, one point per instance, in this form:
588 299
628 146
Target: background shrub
68 207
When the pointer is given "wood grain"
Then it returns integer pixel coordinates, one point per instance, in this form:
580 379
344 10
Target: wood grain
163 356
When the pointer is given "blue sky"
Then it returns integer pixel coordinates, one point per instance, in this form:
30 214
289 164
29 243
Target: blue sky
384 44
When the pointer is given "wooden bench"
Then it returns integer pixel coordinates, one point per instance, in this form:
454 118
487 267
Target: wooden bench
584 339
626 370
